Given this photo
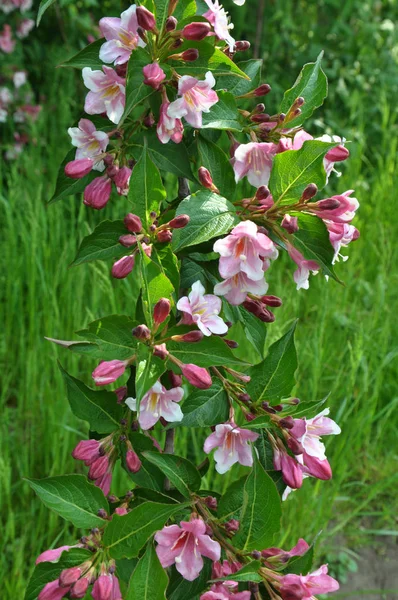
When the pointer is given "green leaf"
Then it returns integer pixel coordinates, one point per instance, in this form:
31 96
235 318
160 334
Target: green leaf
149 580
154 284
210 215
184 10
209 352
261 512
112 336
148 476
100 408
302 564
312 239
210 59
171 158
248 573
259 423
146 191
264 449
44 5
230 504
181 472
238 86
136 90
205 408
149 370
255 330
127 534
191 272
65 186
88 57
217 162
161 8
181 589
311 85
102 244
223 115
168 262
73 498
45 572
293 170
273 378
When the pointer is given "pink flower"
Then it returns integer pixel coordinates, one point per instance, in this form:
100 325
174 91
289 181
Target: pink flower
24 28
132 461
282 556
341 234
53 591
153 75
121 35
184 546
108 371
123 267
218 17
52 555
203 310
89 142
103 588
87 450
197 376
232 446
254 160
292 471
107 93
104 482
345 211
309 431
243 250
7 44
197 97
98 192
228 590
156 403
76 169
122 181
169 128
236 288
302 274
306 586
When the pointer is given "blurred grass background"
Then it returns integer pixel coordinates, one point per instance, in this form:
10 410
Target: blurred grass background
346 336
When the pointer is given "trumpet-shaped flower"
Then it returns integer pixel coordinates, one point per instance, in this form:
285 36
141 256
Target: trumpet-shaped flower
236 288
121 35
254 160
89 142
305 267
218 17
232 445
203 310
309 431
169 128
107 93
197 97
156 403
307 586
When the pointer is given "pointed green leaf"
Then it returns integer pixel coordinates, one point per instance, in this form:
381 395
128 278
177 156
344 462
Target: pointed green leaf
217 162
65 186
205 408
248 573
171 158
44 5
149 580
112 336
210 59
146 191
136 90
102 244
149 370
181 472
88 57
181 589
223 115
154 285
312 239
209 352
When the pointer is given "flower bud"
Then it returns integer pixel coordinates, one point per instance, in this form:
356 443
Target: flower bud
52 591
309 192
121 510
102 513
197 376
86 450
141 332
99 467
206 180
262 90
211 502
76 169
123 267
191 336
256 555
272 301
245 398
160 351
153 75
259 108
190 55
128 240
108 160
337 154
295 446
149 121
145 18
262 118
133 223
108 371
290 223
69 576
287 422
196 31
262 193
161 310
122 180
175 380
231 343
242 46
80 588
171 23
179 222
121 393
164 235
232 525
132 461
328 204
299 102
98 192
112 170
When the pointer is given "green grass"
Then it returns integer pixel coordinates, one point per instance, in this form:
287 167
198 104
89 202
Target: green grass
346 339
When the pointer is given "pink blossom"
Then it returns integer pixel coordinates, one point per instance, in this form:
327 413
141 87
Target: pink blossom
169 128
121 35
279 555
203 310
243 250
319 468
292 471
156 403
218 17
78 168
197 376
254 160
232 445
52 555
79 589
340 235
302 273
123 267
86 450
132 461
153 75
307 586
228 590
197 97
108 371
53 591
184 546
122 181
104 482
24 28
98 192
309 431
7 44
345 211
236 288
103 588
89 142
107 93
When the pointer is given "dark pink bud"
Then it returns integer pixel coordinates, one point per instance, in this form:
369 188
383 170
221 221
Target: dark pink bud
149 121
98 192
171 23
108 160
190 55
146 20
141 332
191 336
161 351
179 222
52 591
245 398
211 502
309 192
161 310
196 31
262 90
263 118
295 446
232 525
123 267
290 223
153 75
272 301
69 576
262 193
337 154
197 376
121 510
328 204
206 179
112 170
76 169
128 240
317 468
133 223
164 236
287 422
108 371
299 101
175 380
86 450
121 393
259 108
293 591
99 467
122 180
132 461
242 46
80 588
